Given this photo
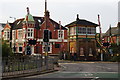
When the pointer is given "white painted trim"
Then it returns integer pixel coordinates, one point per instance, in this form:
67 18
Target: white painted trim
6 33
86 34
54 40
60 36
20 36
16 40
32 34
23 40
32 49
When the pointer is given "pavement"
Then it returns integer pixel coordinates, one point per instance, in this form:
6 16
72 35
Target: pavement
56 68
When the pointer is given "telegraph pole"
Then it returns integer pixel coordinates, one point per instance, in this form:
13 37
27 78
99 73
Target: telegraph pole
46 39
46 43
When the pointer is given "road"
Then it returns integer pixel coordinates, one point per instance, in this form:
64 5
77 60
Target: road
93 70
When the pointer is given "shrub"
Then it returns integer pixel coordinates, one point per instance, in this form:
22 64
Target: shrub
6 50
115 58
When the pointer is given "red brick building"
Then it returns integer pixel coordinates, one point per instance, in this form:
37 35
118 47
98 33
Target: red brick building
27 35
112 35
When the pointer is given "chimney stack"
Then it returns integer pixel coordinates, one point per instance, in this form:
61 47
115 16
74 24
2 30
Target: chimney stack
77 17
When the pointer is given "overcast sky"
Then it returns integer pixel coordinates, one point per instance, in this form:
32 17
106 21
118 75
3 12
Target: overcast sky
63 10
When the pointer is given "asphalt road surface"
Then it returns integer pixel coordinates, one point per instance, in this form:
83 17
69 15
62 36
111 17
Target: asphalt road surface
77 70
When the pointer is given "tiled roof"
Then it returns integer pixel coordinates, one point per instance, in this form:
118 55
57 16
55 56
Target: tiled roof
82 22
38 21
57 26
18 24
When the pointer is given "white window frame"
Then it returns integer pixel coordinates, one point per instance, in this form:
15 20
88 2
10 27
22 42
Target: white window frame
87 30
81 32
72 30
6 31
43 47
31 36
20 33
92 30
59 34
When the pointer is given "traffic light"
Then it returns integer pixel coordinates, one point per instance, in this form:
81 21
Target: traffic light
46 35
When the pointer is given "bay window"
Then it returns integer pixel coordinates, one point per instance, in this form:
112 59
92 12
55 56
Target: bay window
20 33
6 34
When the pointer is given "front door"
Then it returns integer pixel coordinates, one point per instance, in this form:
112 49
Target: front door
28 52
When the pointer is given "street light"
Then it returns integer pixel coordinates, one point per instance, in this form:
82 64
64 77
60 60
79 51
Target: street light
14 34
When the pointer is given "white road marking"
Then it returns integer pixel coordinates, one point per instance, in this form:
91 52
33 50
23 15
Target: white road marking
104 67
88 72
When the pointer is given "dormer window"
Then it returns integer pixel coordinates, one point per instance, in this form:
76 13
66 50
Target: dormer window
39 21
30 33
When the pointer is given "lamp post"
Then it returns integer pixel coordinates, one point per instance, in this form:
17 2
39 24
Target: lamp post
14 34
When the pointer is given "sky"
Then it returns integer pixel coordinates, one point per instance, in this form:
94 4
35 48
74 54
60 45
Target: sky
63 10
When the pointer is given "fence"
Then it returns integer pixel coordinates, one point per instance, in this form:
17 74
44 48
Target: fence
23 65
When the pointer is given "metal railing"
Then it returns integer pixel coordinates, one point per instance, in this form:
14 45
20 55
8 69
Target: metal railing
22 65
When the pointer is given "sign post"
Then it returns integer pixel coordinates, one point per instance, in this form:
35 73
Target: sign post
46 42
